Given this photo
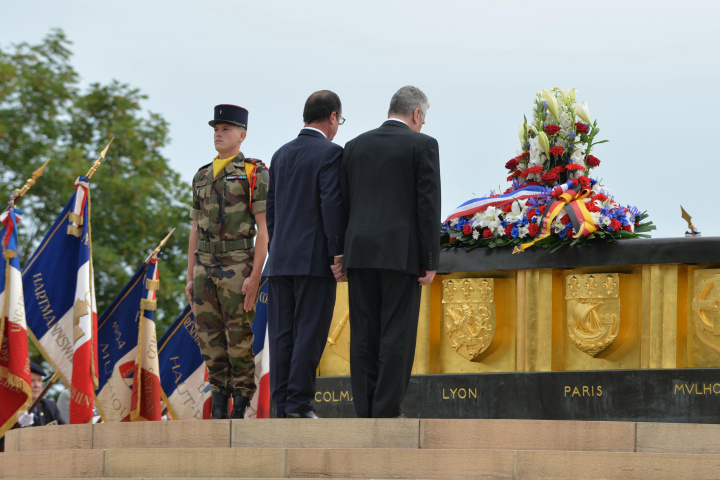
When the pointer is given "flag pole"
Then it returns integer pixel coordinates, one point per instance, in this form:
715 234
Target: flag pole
160 246
18 193
100 159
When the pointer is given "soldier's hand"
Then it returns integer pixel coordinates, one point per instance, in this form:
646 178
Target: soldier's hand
250 290
189 291
337 270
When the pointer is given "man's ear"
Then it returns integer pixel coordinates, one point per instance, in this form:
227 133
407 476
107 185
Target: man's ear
243 134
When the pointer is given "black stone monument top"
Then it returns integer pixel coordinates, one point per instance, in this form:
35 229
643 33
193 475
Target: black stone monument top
623 252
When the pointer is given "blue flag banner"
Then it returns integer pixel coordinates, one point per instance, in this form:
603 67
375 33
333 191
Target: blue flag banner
117 350
183 374
60 302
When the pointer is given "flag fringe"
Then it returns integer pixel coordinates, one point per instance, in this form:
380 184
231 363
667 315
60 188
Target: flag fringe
146 304
76 231
152 285
75 218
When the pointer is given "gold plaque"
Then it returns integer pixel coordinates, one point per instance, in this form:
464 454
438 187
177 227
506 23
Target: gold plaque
593 310
469 315
706 307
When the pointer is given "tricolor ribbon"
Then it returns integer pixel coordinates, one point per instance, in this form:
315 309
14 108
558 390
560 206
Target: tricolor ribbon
570 196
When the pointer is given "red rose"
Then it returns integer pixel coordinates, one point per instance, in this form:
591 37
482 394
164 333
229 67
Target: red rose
508 231
549 177
627 228
559 169
541 209
615 224
507 208
565 219
581 128
512 163
533 229
487 233
600 197
523 155
453 239
592 161
557 151
552 129
467 229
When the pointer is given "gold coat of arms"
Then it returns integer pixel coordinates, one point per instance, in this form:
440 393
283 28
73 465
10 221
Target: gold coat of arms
593 310
469 315
706 307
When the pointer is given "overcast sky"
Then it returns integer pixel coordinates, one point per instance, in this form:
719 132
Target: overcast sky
649 72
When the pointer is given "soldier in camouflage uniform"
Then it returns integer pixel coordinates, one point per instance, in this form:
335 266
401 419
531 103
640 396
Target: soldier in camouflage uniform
223 266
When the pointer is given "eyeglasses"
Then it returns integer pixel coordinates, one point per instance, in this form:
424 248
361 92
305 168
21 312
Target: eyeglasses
341 119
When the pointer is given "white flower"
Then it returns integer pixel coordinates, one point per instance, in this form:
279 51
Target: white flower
475 234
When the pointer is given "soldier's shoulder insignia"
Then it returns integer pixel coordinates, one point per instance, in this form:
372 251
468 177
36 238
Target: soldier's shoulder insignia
257 162
204 166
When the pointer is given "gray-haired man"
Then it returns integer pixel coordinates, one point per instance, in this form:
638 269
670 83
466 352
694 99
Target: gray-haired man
390 183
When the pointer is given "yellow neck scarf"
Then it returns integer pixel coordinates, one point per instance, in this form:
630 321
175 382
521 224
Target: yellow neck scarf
220 163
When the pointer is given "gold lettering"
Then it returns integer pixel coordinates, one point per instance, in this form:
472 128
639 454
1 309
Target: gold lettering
472 392
707 388
462 393
599 391
679 387
333 397
567 390
445 397
585 391
453 391
716 391
176 366
344 395
327 396
62 341
697 389
316 397
575 392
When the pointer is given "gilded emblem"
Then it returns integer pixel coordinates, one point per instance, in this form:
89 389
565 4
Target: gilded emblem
469 315
593 310
706 307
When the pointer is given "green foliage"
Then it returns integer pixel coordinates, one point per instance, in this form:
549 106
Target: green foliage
136 198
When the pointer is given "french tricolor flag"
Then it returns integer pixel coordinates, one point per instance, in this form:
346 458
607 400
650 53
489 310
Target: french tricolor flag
260 403
183 373
15 391
146 389
475 205
60 302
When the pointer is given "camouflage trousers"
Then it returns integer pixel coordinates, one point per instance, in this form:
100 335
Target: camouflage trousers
224 327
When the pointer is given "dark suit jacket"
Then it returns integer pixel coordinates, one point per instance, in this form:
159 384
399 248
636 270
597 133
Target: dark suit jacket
391 191
305 218
45 412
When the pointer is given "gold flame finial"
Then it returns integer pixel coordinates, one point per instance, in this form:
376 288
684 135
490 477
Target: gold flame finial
99 160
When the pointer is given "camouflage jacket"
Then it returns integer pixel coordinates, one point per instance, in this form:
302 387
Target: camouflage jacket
220 205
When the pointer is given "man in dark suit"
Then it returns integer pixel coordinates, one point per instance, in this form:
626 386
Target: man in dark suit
391 190
306 223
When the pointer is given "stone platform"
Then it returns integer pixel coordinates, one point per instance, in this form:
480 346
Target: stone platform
364 448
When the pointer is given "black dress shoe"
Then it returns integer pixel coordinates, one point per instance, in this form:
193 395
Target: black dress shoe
308 414
279 415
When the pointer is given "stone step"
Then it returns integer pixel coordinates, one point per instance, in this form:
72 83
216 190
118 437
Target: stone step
376 433
363 463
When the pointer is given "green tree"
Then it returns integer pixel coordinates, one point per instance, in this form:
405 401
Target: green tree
136 197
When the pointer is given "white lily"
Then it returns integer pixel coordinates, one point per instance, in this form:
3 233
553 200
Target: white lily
582 111
522 133
544 142
551 101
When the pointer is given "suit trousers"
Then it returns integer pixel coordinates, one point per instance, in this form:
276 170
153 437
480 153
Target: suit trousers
384 308
300 310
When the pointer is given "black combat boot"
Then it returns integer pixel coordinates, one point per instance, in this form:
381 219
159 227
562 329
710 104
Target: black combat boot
240 403
219 406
